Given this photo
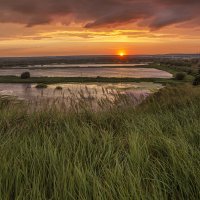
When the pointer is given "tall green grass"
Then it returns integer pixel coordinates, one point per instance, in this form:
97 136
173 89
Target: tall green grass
148 152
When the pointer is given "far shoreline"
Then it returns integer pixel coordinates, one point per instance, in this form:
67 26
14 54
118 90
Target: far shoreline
56 80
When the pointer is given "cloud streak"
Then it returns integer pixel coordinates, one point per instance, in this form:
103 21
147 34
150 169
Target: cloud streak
154 14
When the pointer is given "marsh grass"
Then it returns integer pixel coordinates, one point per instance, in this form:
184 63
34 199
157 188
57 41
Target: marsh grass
41 86
85 99
146 152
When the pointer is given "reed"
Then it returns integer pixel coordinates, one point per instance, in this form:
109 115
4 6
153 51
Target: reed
149 151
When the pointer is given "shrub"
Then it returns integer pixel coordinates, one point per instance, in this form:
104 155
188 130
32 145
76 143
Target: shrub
190 71
180 76
193 72
197 80
25 75
59 88
41 86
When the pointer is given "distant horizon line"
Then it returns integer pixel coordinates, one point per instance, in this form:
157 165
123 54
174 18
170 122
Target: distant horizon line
102 55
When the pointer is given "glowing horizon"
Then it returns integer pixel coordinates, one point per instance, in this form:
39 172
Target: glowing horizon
48 28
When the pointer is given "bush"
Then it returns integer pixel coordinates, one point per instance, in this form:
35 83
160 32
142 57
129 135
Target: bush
197 80
190 71
59 88
180 76
193 72
25 75
41 86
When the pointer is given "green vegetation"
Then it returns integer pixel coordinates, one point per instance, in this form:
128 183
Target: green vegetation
174 66
41 86
55 80
197 80
65 150
148 152
181 65
180 76
25 75
58 88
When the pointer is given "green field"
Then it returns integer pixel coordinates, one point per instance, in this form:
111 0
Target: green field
148 152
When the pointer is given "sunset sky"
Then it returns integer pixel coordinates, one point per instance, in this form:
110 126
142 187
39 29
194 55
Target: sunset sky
88 27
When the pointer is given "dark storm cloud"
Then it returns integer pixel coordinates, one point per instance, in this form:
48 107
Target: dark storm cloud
100 13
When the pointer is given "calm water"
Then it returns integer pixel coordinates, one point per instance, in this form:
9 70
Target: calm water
88 65
89 72
29 92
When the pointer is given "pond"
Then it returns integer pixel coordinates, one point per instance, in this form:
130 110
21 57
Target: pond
99 90
69 71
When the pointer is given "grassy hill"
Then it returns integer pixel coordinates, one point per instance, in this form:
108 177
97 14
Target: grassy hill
151 151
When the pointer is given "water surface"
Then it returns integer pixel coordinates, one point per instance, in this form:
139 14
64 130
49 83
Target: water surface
89 72
101 90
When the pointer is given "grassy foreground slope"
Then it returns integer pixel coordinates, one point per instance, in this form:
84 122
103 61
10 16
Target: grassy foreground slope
151 152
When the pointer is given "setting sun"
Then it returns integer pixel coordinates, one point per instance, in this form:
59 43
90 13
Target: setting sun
121 53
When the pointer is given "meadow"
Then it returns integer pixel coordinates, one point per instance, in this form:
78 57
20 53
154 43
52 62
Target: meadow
150 151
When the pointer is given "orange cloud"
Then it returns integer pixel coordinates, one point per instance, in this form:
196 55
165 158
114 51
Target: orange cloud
48 27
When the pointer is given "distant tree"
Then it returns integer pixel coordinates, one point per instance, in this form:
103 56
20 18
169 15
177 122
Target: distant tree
25 75
196 80
180 76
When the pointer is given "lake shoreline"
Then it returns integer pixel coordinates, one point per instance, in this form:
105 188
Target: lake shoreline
53 80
